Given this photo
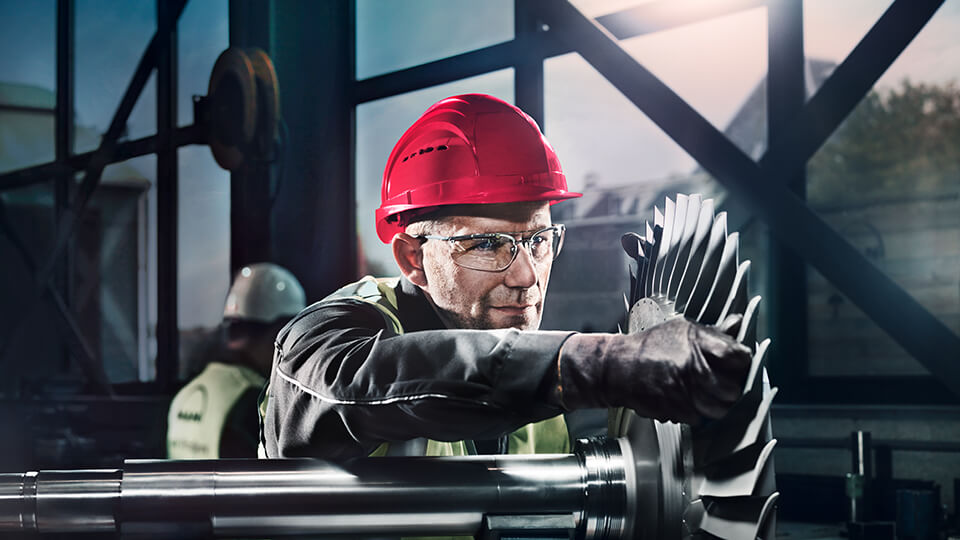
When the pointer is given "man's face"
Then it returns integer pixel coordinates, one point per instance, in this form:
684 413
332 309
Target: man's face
475 299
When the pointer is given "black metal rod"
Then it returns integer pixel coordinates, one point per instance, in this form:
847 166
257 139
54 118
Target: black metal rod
63 147
19 178
528 66
787 274
168 333
28 109
63 126
926 337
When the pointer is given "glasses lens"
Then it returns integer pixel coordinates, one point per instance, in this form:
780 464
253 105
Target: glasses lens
541 245
487 252
545 245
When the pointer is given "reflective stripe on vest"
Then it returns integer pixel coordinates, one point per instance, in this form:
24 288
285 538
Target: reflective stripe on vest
199 411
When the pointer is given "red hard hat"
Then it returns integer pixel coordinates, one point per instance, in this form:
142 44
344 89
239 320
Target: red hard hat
469 149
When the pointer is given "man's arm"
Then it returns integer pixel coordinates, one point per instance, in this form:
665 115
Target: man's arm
345 383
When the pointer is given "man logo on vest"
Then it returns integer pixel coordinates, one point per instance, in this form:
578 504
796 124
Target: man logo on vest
194 405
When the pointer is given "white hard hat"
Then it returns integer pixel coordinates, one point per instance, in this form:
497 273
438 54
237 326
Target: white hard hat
264 292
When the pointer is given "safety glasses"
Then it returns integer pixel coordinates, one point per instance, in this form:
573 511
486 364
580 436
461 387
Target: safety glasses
495 252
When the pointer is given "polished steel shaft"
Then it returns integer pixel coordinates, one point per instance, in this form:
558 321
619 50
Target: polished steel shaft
383 496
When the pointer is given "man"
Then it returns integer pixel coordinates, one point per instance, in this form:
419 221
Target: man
447 357
214 416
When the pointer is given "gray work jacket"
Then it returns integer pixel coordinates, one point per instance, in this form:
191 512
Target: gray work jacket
373 363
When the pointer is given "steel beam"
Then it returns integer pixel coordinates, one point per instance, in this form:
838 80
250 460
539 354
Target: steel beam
314 213
29 109
124 150
789 218
168 332
528 66
63 145
787 273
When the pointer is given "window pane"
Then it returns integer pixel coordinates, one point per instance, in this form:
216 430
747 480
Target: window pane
28 41
111 286
624 164
26 137
110 39
203 34
395 35
203 250
831 30
379 126
718 66
888 180
27 80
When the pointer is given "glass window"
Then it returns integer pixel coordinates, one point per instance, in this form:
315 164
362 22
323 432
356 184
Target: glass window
718 66
111 294
203 248
29 45
203 33
27 83
204 207
26 137
831 30
396 35
111 37
624 164
379 126
888 180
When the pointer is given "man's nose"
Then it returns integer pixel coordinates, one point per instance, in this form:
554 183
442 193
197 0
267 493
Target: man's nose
523 272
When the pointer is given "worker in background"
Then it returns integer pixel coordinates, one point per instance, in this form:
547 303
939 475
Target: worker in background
447 358
215 414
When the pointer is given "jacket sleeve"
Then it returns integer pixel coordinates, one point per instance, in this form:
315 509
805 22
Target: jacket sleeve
345 383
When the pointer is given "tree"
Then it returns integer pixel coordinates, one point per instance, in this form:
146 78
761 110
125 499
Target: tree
898 144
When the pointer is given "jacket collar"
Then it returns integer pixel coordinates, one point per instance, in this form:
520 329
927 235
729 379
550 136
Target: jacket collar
416 313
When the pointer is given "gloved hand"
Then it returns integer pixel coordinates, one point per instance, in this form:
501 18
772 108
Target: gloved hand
679 370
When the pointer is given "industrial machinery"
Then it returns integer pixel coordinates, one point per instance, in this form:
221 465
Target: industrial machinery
649 480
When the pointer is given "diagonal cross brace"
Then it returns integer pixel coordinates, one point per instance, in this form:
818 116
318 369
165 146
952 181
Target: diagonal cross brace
94 170
91 365
763 189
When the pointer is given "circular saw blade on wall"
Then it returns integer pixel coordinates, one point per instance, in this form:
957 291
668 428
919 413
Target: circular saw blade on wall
714 480
243 107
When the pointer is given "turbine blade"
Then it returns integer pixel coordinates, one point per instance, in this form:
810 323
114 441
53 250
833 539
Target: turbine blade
701 238
708 270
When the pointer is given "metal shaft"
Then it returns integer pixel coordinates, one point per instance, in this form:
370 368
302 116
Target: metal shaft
263 498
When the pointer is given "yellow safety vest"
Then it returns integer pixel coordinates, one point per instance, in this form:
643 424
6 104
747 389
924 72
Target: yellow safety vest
199 411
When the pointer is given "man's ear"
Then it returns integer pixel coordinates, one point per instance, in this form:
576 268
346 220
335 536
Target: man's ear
408 252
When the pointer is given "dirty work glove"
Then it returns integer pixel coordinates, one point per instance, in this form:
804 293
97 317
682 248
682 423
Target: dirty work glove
678 370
